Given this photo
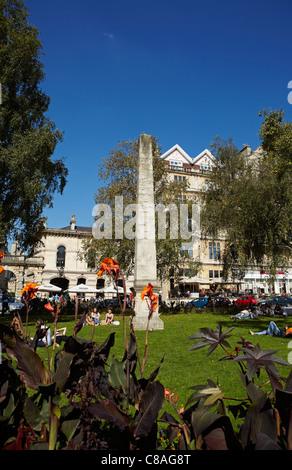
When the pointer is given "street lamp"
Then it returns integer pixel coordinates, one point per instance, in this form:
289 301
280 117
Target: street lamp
61 271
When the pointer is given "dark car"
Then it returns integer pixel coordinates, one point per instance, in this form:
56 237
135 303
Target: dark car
13 304
222 302
277 299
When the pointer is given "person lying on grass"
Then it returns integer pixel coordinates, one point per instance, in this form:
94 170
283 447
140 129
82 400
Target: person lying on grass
273 330
44 335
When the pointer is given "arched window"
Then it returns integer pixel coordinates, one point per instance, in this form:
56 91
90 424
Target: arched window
61 254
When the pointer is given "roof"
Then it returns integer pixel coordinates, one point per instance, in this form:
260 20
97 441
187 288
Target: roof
177 153
78 228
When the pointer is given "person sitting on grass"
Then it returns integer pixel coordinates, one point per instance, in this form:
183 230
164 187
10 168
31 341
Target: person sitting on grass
88 319
273 330
278 310
95 316
265 310
109 318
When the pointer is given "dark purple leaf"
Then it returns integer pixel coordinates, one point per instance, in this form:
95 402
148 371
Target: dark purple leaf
106 409
259 418
215 429
32 369
79 324
257 358
212 338
151 403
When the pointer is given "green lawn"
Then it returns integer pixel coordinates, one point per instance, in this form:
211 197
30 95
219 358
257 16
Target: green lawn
181 368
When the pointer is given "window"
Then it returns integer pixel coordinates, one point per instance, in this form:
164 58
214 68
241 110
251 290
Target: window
180 178
215 274
61 254
182 199
214 251
187 250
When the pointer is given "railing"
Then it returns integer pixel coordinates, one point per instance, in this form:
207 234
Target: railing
188 170
22 260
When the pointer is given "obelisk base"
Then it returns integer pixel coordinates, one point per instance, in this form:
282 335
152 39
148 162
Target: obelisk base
140 319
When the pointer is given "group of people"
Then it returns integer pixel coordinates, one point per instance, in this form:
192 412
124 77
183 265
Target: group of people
44 337
260 310
94 318
264 310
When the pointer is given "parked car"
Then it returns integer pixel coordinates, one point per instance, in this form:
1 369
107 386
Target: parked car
13 304
222 302
245 301
277 299
197 303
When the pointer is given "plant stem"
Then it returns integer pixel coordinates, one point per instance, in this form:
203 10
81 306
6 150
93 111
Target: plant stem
146 339
28 308
225 350
123 308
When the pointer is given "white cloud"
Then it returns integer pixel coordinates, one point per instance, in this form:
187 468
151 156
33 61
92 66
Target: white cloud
109 35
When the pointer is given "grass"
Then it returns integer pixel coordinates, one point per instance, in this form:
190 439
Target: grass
181 368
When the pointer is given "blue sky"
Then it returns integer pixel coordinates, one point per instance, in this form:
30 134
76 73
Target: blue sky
182 70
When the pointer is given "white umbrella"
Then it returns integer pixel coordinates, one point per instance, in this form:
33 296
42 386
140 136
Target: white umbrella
113 290
196 280
82 289
227 281
49 288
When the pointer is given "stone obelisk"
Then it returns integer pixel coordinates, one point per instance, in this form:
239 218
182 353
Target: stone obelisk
145 248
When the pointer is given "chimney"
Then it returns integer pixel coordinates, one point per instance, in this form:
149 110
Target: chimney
73 223
246 150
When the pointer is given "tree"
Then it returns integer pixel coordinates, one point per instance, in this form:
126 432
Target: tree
119 172
28 175
251 199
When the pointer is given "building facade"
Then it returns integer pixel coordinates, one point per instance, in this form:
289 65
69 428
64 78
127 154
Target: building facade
195 172
59 260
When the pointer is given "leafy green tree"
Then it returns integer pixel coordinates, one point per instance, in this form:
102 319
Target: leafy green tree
251 198
28 175
119 173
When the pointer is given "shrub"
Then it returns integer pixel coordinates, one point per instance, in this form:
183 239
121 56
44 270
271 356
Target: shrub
86 399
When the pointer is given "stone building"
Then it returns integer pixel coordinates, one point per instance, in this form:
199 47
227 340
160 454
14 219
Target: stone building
61 250
58 259
19 269
195 172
